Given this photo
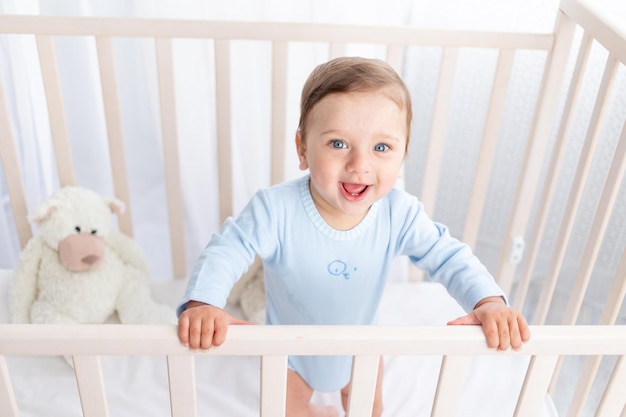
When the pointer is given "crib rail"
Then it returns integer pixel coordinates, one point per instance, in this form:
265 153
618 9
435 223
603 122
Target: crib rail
46 340
273 343
274 31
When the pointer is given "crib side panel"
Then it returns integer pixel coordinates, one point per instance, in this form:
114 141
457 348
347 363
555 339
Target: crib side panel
573 270
588 204
459 344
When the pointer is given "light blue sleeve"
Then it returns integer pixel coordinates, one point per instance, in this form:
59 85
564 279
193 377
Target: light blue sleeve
230 252
445 259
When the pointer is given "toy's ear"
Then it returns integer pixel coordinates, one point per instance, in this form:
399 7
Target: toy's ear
116 206
43 212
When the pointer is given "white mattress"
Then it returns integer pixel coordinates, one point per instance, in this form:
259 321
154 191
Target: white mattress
229 386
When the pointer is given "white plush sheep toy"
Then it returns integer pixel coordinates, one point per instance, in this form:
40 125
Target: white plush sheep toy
80 269
249 294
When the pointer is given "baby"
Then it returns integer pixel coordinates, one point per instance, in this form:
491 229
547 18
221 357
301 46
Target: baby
327 239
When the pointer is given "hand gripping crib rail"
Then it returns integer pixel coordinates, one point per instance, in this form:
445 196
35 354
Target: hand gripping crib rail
598 343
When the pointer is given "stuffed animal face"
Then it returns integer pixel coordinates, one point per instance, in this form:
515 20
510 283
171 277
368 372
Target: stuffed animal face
75 222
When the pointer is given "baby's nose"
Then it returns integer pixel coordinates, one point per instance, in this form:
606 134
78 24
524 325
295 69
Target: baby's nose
359 162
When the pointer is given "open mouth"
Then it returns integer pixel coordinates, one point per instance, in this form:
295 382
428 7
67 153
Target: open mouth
354 190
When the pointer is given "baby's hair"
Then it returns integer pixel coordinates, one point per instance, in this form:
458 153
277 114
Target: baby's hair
353 74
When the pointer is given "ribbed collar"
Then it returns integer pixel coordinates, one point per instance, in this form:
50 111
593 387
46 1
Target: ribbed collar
320 223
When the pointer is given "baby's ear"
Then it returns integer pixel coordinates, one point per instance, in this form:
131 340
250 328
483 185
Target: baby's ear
117 206
43 212
301 148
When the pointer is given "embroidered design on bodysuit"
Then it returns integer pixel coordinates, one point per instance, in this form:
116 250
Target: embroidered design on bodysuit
339 268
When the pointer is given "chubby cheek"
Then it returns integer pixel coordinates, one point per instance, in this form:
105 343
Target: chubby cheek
312 162
387 179
320 179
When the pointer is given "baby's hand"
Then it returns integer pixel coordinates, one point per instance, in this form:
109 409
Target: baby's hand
201 325
502 325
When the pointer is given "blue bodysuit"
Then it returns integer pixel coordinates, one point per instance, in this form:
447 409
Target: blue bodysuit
315 274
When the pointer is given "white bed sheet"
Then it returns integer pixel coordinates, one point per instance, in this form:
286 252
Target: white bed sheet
229 386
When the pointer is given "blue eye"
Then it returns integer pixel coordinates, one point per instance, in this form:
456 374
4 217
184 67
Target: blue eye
381 147
338 144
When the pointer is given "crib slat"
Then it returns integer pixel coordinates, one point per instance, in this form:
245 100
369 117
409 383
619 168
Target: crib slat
536 147
91 386
535 385
223 111
273 386
598 228
450 385
533 246
616 295
436 142
487 150
104 46
15 187
8 406
592 248
165 67
613 402
607 201
363 385
576 193
279 111
54 100
182 382
611 309
585 381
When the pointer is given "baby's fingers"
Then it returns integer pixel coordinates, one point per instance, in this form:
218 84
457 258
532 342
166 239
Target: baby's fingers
189 331
514 333
519 331
215 329
219 329
508 333
183 330
469 319
493 333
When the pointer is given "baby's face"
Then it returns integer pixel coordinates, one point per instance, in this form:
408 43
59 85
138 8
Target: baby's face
354 149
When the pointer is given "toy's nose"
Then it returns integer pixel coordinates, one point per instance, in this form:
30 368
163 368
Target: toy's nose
80 252
90 260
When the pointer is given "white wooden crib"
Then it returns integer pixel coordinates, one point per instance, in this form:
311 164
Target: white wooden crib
575 362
